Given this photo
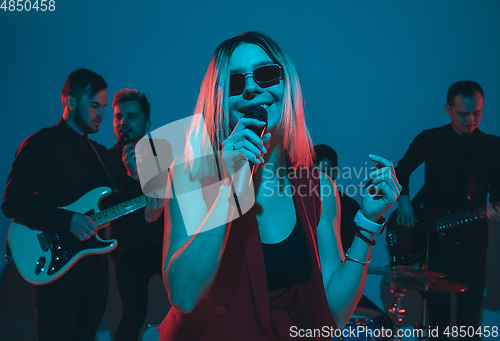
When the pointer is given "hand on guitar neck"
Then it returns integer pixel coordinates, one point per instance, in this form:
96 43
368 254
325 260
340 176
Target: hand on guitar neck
406 215
433 229
154 207
493 212
82 227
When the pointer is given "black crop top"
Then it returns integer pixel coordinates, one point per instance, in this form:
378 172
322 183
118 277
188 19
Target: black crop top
288 261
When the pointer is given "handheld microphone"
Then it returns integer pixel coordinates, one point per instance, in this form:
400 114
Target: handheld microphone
124 138
243 168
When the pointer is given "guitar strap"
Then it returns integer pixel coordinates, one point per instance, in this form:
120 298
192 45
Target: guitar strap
113 183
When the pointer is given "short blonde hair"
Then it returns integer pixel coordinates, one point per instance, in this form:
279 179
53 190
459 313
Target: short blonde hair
209 129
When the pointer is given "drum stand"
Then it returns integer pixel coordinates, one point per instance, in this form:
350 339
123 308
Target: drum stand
425 320
422 280
396 312
425 313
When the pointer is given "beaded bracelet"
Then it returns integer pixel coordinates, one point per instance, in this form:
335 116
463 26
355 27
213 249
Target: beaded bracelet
347 257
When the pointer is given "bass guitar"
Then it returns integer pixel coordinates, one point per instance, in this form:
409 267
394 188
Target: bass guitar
408 245
42 256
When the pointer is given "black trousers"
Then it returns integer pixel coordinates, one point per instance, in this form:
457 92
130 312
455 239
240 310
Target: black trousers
72 307
133 286
467 268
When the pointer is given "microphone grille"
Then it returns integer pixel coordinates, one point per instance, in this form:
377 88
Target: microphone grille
256 111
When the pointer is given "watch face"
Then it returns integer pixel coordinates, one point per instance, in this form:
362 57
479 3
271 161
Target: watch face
361 220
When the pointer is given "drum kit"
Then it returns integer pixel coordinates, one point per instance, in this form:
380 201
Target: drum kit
371 323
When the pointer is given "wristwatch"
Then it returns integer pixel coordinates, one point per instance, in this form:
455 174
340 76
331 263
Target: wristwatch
369 225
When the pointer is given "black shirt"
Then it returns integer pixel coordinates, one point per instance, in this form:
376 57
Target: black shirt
134 234
287 262
460 170
52 168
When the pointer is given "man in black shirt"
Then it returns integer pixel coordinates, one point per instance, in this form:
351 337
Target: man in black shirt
53 168
462 165
138 256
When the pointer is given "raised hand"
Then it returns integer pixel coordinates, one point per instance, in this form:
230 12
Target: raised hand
381 189
128 159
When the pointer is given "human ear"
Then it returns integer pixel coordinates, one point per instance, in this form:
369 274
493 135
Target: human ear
70 102
335 172
448 109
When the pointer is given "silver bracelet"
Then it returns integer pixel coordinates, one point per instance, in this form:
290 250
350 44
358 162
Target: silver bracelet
347 257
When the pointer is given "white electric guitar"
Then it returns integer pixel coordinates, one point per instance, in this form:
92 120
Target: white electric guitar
42 257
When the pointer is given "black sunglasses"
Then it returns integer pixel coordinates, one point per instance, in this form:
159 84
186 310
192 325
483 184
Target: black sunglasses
264 76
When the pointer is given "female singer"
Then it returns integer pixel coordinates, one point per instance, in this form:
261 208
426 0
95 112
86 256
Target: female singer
273 269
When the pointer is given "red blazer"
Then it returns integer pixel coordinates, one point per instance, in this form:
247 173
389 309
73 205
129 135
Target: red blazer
237 305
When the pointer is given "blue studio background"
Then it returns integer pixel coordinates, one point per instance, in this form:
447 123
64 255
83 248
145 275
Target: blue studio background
374 74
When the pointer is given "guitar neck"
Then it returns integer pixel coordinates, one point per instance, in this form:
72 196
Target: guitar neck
456 220
106 216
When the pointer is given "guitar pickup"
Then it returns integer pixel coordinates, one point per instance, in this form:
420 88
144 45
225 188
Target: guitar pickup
44 241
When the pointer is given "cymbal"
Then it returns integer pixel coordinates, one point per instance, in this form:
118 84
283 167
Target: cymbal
366 308
363 312
427 284
402 271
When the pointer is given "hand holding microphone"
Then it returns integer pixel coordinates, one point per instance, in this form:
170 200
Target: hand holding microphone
244 146
125 138
128 155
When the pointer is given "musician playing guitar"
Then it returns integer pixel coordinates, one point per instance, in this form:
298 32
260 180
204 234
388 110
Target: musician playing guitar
52 168
462 165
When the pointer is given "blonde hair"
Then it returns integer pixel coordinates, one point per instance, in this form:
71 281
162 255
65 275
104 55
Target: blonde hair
211 127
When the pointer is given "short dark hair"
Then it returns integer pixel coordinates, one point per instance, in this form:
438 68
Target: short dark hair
465 89
127 95
83 81
322 152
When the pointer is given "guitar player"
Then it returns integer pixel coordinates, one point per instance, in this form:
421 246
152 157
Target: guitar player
55 167
462 165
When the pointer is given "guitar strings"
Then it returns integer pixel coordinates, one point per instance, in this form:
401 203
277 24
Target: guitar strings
427 227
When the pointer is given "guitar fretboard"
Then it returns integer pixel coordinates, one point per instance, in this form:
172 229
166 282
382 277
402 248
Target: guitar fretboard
115 212
460 219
